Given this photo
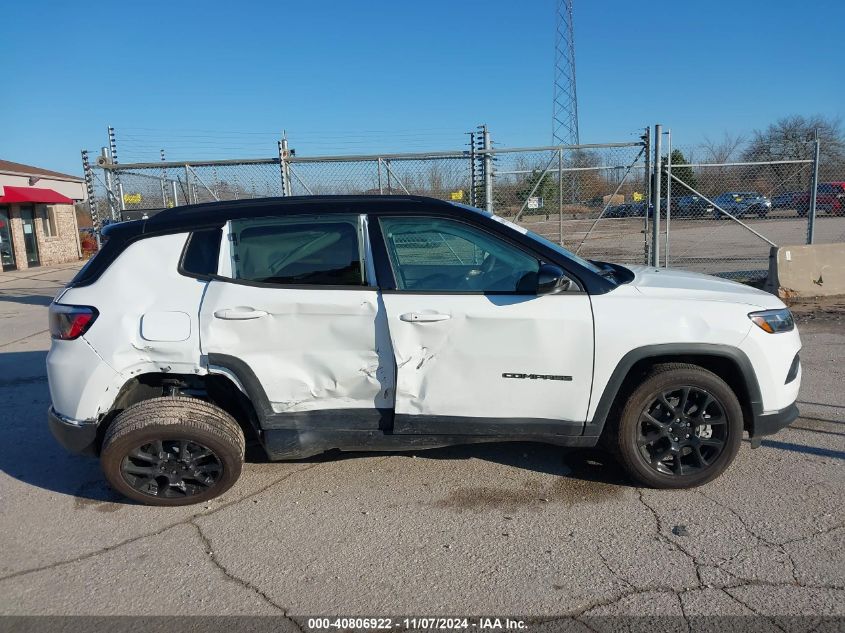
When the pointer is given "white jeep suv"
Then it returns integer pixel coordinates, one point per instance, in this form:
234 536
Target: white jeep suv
386 323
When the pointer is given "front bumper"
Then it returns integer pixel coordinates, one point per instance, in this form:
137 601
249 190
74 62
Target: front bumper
77 436
771 423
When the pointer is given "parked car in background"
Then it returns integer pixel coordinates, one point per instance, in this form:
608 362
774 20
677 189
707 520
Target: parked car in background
690 206
637 209
787 200
742 203
830 198
621 211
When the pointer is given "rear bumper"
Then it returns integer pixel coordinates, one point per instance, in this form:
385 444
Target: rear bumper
771 423
77 436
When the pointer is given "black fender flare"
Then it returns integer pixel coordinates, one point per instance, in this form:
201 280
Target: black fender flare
677 350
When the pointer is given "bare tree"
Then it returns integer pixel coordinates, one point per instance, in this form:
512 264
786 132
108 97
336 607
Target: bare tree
723 150
791 138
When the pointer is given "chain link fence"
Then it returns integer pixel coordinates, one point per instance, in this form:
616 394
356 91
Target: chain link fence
720 212
727 209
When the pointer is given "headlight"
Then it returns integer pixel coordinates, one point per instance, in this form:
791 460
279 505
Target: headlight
773 321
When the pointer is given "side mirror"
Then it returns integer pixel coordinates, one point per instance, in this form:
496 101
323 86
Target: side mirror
551 279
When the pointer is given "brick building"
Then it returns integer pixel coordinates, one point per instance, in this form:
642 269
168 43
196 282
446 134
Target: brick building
37 219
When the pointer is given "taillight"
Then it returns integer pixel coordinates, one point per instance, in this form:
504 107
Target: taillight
70 322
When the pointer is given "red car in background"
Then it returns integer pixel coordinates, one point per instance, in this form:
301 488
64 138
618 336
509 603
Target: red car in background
830 197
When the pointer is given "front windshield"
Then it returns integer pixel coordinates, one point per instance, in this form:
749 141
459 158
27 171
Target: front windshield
568 254
556 247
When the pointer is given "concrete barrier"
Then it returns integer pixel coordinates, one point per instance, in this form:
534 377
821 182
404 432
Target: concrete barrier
816 270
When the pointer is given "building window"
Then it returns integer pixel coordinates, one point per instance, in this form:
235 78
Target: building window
48 220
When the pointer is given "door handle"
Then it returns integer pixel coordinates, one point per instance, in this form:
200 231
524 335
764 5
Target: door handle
424 317
241 313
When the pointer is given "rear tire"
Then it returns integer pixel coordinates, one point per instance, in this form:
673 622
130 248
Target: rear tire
172 451
680 428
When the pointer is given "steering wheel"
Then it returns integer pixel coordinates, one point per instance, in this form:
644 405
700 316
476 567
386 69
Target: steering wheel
476 276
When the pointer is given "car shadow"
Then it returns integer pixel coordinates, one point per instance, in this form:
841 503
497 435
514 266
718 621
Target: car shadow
30 299
28 451
585 464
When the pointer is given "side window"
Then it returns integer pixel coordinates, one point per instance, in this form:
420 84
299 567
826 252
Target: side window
202 252
294 250
48 220
438 254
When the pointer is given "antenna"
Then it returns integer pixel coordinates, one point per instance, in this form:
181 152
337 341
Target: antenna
565 98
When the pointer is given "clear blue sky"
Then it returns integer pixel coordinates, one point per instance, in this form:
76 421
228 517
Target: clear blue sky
221 79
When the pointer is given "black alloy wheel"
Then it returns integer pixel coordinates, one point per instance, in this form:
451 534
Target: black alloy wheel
682 431
171 469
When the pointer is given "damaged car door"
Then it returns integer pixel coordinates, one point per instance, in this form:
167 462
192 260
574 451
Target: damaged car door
478 349
292 314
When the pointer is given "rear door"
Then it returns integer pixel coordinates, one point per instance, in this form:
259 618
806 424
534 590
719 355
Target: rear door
293 315
477 350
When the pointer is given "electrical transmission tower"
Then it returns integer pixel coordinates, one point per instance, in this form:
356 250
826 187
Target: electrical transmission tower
565 99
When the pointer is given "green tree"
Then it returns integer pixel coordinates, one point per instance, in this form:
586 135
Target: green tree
547 189
684 174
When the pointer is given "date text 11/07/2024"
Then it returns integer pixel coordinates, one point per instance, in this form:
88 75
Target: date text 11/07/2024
417 623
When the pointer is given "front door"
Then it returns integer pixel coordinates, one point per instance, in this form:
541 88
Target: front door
7 249
477 350
292 315
29 239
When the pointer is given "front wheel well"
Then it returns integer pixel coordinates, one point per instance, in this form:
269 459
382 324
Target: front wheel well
214 388
724 367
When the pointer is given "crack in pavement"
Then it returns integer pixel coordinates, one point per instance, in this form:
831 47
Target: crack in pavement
760 539
209 549
750 608
684 612
184 521
23 338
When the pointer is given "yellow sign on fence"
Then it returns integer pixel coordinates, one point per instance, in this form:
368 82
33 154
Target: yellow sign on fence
457 195
637 196
132 198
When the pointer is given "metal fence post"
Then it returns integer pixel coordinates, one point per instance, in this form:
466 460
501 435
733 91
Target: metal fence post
89 189
814 186
283 159
163 182
655 223
560 194
188 195
668 195
647 197
116 176
473 185
488 170
110 195
282 179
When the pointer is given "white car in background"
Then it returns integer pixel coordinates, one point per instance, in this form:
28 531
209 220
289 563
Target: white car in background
386 323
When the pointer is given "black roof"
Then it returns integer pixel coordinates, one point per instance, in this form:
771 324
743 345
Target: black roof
211 214
256 207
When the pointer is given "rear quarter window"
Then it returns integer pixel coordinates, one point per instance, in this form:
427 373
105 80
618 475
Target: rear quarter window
201 254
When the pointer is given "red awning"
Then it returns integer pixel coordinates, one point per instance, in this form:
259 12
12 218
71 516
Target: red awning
14 195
